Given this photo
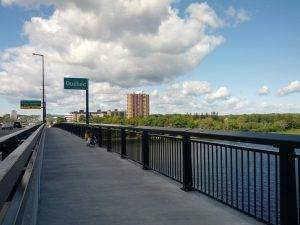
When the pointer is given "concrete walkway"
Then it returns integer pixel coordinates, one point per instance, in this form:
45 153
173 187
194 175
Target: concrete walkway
89 186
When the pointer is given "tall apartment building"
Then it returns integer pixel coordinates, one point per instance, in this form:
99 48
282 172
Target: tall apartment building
14 115
137 105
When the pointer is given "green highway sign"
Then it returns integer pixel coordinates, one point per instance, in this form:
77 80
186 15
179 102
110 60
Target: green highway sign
76 83
31 104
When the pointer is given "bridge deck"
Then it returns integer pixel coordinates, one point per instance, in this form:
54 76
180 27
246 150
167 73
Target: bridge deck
82 185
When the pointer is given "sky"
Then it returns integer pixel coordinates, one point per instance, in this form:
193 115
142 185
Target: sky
191 56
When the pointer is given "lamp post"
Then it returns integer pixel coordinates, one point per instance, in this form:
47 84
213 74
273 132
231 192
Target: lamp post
43 84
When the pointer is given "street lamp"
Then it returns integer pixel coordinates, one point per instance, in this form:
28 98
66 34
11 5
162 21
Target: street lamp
43 84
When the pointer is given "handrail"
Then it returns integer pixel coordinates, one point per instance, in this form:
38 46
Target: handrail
11 141
12 166
17 133
248 137
283 161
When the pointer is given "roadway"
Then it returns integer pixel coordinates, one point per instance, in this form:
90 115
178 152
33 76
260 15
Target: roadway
82 185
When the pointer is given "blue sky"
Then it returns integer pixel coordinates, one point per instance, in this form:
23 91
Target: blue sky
264 50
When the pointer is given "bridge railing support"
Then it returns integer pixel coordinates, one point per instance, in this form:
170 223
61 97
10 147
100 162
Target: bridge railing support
187 163
109 139
288 197
123 143
99 136
145 150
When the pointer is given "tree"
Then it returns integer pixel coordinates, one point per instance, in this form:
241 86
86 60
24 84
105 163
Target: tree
61 120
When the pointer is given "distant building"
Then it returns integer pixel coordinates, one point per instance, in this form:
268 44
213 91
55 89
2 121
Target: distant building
116 112
137 105
74 116
13 115
70 118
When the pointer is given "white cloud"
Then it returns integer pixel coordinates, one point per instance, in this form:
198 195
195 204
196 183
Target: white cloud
124 43
238 15
292 87
195 88
221 94
264 90
173 100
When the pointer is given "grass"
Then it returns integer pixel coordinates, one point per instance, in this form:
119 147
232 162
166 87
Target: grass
293 131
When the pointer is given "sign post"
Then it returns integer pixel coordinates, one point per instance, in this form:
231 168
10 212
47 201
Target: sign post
79 84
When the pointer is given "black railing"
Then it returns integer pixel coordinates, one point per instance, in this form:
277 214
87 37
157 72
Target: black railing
11 141
255 173
19 180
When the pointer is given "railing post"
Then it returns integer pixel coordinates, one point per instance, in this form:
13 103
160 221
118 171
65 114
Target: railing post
187 163
123 143
145 150
108 139
82 131
1 151
99 137
288 197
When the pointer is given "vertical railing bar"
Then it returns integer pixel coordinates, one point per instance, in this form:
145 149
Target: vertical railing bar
205 183
269 190
201 167
242 165
145 150
187 163
153 144
162 154
276 188
212 170
217 170
150 152
248 179
157 153
208 169
123 143
171 158
226 173
170 155
165 161
180 158
288 193
261 186
298 179
254 177
231 178
164 167
166 155
236 178
176 160
221 156
198 166
194 163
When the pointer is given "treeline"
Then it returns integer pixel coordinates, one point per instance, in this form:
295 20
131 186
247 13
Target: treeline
248 122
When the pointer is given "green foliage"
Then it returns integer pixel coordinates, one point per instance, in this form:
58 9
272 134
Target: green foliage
81 118
252 122
61 120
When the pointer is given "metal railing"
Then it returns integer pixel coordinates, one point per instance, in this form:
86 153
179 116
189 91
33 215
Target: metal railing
255 173
11 141
20 177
